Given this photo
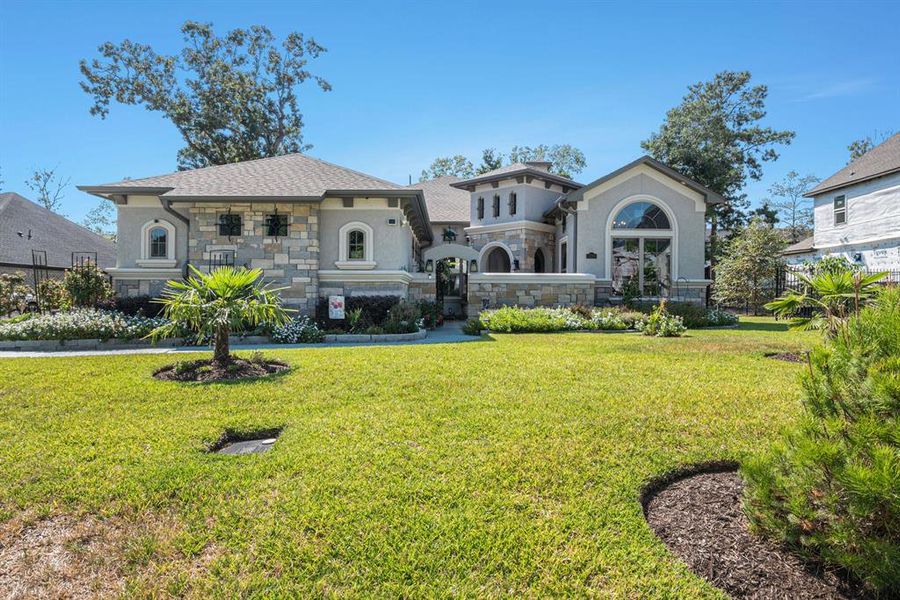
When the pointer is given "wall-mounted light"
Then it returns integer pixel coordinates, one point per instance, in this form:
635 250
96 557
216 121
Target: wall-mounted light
473 266
429 266
516 264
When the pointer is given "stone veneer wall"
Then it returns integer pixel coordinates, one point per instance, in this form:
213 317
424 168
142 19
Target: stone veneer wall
522 243
291 261
363 288
421 289
139 287
684 292
492 294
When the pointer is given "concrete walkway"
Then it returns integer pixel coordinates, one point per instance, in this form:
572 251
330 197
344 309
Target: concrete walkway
450 333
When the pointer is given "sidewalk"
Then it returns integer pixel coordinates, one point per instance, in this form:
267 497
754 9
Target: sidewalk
450 333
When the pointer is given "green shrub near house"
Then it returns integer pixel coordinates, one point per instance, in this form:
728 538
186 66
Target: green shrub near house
831 487
79 324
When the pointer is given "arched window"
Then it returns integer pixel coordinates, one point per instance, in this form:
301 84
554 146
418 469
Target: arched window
355 247
642 244
159 243
641 215
538 261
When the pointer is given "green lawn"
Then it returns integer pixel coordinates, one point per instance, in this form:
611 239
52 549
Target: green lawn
509 466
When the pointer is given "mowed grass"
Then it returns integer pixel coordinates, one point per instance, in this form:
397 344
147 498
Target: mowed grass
509 466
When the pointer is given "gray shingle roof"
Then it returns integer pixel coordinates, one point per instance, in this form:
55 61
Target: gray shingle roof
287 176
518 169
446 204
801 247
49 231
881 160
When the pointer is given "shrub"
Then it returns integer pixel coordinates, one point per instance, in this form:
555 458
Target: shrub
374 311
430 311
510 319
661 324
716 317
80 324
609 320
86 286
696 315
134 305
830 488
402 318
13 293
52 295
299 330
472 327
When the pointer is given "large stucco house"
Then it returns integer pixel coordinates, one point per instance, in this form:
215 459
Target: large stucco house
516 235
856 212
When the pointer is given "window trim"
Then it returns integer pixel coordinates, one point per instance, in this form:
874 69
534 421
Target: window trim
835 211
344 261
641 233
146 260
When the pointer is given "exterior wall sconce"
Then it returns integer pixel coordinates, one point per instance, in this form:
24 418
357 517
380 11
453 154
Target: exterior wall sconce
429 266
516 264
473 266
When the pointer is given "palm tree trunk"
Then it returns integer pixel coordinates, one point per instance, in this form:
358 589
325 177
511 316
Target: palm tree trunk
221 350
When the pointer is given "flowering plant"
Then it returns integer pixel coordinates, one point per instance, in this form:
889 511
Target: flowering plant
80 324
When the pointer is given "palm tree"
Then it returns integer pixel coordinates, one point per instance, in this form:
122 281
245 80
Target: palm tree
214 304
833 296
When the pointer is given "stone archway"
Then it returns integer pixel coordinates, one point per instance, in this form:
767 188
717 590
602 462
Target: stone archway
497 261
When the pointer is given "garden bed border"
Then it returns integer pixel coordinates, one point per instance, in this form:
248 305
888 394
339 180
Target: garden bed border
250 340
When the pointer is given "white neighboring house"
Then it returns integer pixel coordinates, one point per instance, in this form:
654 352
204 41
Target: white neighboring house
857 212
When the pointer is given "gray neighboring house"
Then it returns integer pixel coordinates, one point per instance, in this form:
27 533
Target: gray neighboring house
26 226
856 212
516 235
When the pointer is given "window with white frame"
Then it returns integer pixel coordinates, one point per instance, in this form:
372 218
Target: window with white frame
157 244
642 243
356 246
840 210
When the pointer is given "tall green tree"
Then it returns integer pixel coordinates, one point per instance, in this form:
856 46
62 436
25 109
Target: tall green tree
490 160
715 137
793 209
766 213
458 166
749 265
232 98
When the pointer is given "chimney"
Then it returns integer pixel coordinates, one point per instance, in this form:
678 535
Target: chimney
540 165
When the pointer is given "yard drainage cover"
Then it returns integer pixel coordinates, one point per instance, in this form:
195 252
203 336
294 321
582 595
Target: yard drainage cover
252 443
248 447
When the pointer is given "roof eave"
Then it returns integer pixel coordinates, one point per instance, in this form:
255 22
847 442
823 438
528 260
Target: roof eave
557 179
818 192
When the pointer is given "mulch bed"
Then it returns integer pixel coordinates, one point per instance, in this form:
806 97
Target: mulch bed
205 371
699 517
786 356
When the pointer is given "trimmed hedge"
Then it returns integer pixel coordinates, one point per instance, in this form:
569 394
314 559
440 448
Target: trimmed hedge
375 311
133 305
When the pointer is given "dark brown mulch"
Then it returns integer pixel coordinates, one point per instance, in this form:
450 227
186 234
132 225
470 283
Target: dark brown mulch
786 356
205 371
700 519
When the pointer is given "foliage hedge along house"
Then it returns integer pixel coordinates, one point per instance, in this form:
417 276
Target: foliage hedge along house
518 235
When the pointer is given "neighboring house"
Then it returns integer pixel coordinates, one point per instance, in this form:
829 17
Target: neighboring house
800 253
516 235
27 229
857 210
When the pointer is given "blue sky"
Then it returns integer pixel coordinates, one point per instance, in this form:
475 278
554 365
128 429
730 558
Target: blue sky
416 80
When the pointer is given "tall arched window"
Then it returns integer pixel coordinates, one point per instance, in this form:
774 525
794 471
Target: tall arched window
355 247
641 244
159 243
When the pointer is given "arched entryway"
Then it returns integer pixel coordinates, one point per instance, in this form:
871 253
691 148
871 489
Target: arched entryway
497 261
450 265
539 261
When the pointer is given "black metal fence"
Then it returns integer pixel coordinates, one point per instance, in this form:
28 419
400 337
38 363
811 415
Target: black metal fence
788 278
